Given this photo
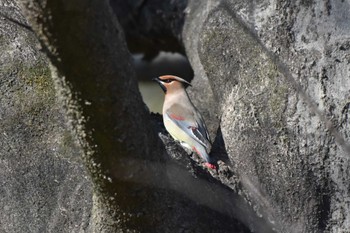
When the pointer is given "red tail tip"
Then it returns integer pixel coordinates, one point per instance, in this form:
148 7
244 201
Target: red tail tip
211 166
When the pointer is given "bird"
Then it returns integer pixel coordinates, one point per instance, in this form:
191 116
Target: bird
182 120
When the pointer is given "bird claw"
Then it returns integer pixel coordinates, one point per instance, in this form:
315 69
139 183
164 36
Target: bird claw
211 166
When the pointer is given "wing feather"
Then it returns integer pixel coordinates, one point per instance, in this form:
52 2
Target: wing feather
194 127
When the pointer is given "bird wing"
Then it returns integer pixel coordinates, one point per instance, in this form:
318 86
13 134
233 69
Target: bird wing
202 127
190 122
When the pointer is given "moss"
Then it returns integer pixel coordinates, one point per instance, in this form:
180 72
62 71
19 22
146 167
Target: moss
30 85
38 77
34 84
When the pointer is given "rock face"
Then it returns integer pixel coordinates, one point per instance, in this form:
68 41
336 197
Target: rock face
271 77
132 191
278 71
44 187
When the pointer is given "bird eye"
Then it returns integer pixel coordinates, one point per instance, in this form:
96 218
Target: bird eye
168 80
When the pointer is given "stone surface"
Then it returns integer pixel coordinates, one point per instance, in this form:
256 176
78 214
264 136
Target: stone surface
271 79
43 185
278 70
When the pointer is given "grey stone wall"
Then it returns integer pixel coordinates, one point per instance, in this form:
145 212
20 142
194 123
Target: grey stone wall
43 185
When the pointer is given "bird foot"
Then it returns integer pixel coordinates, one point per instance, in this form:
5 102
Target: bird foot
211 166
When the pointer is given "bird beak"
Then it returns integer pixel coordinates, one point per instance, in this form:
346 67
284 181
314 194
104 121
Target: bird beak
156 79
160 83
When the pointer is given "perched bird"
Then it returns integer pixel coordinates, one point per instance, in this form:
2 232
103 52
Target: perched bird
182 120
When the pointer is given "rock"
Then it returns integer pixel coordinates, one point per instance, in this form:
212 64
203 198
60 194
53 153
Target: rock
271 80
44 186
277 71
